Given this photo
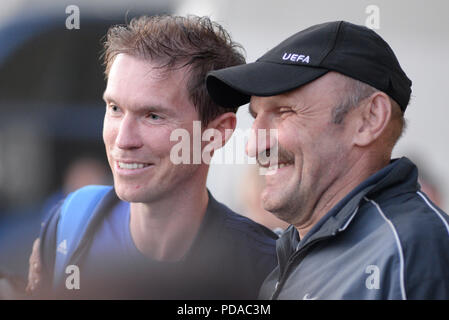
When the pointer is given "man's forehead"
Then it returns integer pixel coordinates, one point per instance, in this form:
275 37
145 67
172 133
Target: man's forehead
154 68
129 73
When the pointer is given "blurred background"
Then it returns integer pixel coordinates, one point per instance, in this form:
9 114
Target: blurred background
51 84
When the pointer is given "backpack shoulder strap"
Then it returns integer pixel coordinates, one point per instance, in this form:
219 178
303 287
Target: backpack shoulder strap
47 248
66 227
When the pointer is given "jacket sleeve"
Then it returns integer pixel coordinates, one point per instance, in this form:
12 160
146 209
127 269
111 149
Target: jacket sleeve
427 266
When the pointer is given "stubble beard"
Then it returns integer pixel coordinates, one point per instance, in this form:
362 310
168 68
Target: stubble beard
287 206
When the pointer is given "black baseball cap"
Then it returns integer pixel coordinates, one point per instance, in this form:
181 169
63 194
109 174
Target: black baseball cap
353 50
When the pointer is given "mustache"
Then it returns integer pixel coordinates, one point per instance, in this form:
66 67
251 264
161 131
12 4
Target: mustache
274 155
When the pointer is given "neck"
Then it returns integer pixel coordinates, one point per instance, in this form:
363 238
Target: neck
359 170
166 229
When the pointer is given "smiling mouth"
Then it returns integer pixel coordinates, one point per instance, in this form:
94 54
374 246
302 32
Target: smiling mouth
271 169
132 165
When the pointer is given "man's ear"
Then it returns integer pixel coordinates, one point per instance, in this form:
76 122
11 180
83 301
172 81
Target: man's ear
223 126
372 119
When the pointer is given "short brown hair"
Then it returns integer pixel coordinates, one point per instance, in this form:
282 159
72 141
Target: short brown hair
175 42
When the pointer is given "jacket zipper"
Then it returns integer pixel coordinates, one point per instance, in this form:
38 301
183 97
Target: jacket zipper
302 252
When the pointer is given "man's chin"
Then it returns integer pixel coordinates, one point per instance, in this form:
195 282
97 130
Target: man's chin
270 202
130 195
126 197
277 205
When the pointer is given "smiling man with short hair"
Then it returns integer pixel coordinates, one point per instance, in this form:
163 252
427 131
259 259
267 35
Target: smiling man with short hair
158 233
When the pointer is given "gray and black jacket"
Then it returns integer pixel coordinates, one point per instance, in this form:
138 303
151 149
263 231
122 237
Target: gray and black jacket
384 240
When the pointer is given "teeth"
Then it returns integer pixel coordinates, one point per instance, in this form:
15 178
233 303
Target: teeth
124 165
278 166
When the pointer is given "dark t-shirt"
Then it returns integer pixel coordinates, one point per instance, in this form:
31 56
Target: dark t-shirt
229 259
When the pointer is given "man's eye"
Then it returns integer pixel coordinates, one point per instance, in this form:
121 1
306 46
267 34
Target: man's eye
284 110
114 108
153 116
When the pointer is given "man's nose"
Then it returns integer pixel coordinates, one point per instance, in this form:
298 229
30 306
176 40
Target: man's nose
128 136
261 138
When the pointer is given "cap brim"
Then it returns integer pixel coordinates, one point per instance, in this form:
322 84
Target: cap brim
234 86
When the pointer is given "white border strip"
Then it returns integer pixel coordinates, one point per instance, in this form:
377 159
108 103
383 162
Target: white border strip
398 243
434 209
349 220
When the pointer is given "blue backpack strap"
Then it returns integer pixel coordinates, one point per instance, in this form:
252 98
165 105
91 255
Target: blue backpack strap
75 216
47 246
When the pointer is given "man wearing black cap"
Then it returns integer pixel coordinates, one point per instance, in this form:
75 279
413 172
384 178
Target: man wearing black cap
361 227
